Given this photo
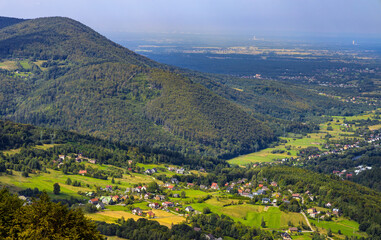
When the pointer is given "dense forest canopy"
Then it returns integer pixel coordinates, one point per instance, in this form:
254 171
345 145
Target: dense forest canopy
42 220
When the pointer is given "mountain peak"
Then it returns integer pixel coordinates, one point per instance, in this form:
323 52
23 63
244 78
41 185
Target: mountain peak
63 38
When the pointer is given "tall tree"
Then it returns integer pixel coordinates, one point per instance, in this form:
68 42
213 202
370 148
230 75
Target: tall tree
56 189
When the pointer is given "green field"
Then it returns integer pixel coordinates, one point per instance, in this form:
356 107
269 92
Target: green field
45 181
25 64
295 143
347 227
251 215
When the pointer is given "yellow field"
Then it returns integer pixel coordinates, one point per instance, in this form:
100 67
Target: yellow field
375 127
8 65
163 217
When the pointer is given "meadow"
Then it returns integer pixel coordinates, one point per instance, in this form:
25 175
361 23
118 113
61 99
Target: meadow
110 216
45 181
251 215
347 227
295 143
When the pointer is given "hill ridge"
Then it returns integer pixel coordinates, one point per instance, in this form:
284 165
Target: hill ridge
79 80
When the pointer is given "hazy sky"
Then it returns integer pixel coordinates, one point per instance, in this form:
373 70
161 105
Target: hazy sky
210 16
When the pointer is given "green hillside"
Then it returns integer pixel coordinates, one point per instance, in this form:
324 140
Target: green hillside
79 80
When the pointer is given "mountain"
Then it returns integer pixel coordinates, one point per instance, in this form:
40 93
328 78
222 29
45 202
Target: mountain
5 21
59 73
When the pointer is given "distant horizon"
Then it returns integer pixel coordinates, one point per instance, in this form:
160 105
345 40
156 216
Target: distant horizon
253 17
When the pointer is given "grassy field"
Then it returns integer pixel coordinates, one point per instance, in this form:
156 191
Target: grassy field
295 143
42 147
25 64
8 65
45 181
347 227
163 217
251 215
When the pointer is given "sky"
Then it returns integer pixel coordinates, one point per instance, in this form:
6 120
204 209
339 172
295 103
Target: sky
360 17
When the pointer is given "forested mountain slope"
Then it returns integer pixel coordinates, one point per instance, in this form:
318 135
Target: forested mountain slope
5 21
68 76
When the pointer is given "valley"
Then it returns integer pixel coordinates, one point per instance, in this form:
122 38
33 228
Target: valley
275 141
340 129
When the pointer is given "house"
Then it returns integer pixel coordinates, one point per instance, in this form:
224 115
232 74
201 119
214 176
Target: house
311 210
93 161
159 197
154 205
108 188
100 206
137 211
265 188
266 200
107 200
94 201
190 185
90 194
115 198
296 195
293 230
285 200
328 205
23 198
171 187
228 189
154 170
274 184
176 195
285 236
151 214
336 211
260 192
214 186
148 171
180 171
189 209
174 181
82 172
209 237
203 187
276 195
146 196
167 204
